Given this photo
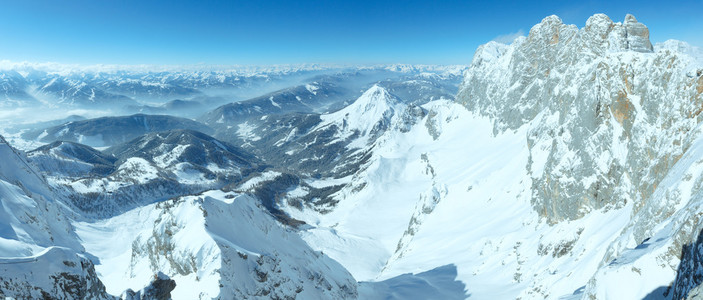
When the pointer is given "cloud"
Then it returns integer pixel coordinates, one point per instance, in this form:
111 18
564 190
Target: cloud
509 38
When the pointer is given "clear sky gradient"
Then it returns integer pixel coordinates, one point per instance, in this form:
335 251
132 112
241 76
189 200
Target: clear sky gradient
261 32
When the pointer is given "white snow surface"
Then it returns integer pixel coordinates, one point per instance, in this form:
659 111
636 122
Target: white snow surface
443 209
214 239
374 108
430 203
374 105
465 199
30 219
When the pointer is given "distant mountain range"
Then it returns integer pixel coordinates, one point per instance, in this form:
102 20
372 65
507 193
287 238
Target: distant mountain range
567 164
108 131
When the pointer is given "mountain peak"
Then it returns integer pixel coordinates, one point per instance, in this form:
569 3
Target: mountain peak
551 20
598 80
630 19
548 30
375 96
599 33
598 22
637 35
374 106
372 103
629 35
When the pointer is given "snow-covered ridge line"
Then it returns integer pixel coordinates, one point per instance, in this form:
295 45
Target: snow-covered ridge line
239 70
550 181
221 245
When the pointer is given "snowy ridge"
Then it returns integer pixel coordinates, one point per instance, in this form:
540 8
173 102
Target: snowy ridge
206 257
567 119
374 106
70 159
412 208
56 272
570 166
31 219
366 116
38 247
210 70
153 167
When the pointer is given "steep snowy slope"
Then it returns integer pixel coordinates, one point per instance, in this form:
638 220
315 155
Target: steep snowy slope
332 144
423 203
613 121
577 146
31 219
214 245
38 248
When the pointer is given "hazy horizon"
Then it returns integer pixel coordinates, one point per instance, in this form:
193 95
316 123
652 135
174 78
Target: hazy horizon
315 32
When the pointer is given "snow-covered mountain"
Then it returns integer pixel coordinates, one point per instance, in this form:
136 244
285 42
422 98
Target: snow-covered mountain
215 245
110 131
610 126
150 168
368 115
306 98
332 92
330 144
26 84
76 91
567 166
69 159
572 170
44 244
423 87
13 90
39 251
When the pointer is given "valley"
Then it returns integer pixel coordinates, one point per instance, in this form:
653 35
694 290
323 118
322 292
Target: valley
566 164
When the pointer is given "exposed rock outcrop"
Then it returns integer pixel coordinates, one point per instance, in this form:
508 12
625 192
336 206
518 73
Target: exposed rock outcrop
56 273
159 289
614 115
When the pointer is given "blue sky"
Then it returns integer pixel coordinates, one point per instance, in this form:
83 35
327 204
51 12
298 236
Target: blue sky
281 32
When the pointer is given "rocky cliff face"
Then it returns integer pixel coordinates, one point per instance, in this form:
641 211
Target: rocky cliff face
612 124
56 273
690 272
575 171
214 245
613 115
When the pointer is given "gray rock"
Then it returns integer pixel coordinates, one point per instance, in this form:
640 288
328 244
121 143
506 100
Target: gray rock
159 289
637 35
612 117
